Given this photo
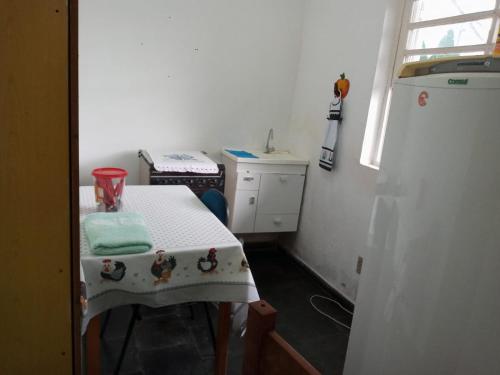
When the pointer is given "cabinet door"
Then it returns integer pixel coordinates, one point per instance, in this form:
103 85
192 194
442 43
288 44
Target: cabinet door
276 223
245 207
247 181
280 193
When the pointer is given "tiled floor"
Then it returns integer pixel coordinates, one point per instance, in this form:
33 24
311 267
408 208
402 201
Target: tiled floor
168 341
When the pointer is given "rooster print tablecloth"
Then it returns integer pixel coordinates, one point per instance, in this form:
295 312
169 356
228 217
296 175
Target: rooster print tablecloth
194 258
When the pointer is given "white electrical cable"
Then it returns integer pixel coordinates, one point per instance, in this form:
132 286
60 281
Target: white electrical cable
325 314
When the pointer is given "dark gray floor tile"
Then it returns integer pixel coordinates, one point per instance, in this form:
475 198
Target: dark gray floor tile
110 350
179 360
203 368
168 341
236 352
326 355
178 311
117 323
162 332
202 340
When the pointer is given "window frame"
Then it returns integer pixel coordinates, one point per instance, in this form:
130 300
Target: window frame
373 141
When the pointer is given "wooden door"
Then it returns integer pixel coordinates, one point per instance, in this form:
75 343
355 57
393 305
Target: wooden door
35 181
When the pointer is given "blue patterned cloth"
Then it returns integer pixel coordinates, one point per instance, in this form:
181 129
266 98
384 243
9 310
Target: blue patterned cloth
242 154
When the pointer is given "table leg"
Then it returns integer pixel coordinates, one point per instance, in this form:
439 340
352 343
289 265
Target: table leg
223 330
93 347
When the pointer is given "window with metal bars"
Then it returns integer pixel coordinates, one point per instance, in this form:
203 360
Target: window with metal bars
428 29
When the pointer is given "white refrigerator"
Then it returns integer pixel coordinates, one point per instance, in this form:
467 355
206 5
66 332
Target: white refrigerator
429 294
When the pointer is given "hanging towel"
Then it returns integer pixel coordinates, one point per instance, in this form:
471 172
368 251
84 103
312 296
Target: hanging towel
117 233
329 147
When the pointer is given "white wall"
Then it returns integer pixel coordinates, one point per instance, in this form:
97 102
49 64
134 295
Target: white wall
183 74
338 36
166 74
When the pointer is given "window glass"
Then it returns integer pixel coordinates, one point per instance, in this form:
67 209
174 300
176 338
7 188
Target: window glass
454 35
424 10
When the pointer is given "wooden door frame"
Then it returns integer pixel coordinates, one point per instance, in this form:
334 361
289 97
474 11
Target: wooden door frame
36 285
74 183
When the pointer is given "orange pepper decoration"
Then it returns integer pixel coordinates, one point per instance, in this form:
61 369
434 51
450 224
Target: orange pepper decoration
341 87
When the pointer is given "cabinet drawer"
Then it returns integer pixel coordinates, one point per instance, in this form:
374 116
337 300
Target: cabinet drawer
276 223
243 211
247 181
280 193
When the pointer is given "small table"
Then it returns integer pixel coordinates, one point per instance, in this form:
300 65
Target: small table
206 263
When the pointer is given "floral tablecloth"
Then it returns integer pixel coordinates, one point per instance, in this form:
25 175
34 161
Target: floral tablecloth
194 258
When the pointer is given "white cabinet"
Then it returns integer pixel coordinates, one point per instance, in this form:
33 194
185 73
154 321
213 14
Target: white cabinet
280 193
263 195
247 181
245 203
276 223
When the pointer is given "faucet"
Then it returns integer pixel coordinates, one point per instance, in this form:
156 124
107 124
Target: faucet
270 137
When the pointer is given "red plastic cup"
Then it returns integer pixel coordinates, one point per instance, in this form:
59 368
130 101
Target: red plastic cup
108 185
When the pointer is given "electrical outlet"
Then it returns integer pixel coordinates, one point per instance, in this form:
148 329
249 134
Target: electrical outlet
359 265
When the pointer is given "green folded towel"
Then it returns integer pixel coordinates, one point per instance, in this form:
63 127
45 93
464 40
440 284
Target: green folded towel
117 233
